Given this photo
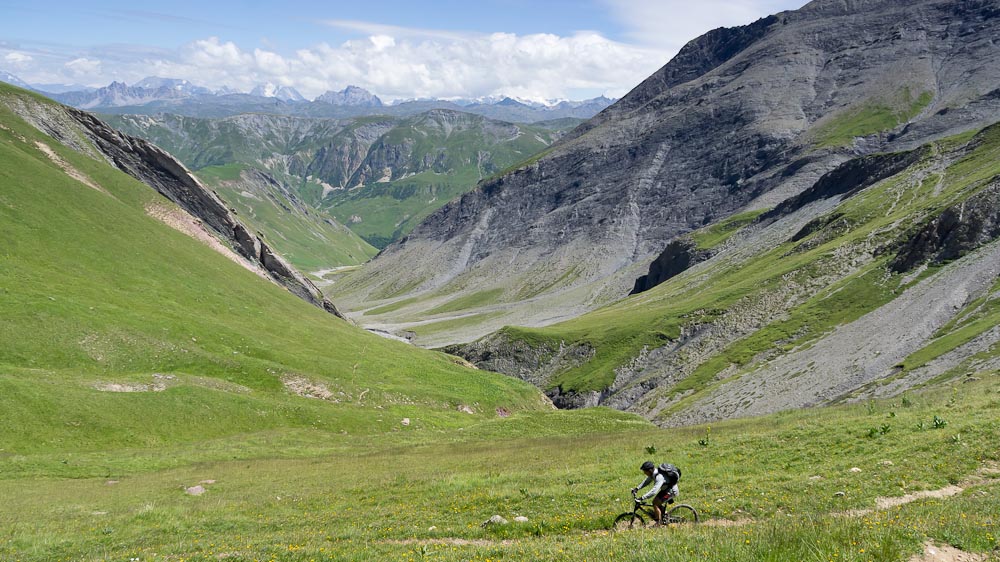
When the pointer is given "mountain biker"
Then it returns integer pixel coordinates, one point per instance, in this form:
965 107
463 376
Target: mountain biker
664 487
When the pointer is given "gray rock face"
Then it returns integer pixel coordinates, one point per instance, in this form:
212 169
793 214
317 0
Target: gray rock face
741 117
679 255
353 96
955 232
161 171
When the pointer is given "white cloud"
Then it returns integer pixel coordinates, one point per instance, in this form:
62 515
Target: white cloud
669 24
416 63
17 59
83 68
399 62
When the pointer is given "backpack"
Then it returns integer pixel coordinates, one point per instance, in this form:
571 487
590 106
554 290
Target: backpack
672 473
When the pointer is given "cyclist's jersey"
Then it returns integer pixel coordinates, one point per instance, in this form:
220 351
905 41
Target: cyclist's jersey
660 484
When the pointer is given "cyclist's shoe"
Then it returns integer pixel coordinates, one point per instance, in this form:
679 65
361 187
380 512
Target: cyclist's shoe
670 500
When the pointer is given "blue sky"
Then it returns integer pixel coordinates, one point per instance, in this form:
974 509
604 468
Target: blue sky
536 49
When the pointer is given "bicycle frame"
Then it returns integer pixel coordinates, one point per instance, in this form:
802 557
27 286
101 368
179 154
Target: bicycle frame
641 510
648 508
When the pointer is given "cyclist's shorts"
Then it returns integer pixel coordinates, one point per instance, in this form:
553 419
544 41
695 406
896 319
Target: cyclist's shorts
667 493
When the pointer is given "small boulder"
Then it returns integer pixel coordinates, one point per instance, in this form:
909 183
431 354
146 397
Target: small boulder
855 470
840 494
195 490
495 520
405 422
521 519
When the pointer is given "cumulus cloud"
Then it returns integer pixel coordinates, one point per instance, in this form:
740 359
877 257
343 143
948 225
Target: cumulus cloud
17 59
83 67
401 62
422 64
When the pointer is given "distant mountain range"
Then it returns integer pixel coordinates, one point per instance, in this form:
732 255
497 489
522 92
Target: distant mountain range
379 176
155 95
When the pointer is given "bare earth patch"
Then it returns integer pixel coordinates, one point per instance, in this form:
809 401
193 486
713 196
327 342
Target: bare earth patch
179 220
978 478
68 168
306 388
935 553
159 384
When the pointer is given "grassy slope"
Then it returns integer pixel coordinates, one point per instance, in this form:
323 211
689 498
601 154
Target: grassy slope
872 117
303 236
92 291
310 495
620 331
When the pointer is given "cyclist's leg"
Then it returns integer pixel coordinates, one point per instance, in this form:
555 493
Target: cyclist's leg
658 508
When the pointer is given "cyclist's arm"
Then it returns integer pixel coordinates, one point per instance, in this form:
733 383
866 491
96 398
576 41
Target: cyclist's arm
658 483
644 483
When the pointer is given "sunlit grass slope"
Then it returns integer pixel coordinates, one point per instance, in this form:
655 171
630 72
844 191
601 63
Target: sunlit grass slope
96 297
797 486
308 238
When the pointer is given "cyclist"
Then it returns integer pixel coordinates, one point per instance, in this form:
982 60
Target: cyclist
664 487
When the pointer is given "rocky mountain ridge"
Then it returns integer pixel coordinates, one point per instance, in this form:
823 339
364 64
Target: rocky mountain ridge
351 95
154 95
741 119
377 175
156 168
880 287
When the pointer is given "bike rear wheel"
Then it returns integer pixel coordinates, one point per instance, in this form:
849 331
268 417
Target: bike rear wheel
628 520
682 513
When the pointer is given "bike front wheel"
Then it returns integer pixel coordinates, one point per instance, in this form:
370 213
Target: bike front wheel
628 520
682 513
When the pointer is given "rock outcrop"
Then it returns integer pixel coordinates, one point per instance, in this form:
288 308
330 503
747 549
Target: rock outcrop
156 168
677 258
960 229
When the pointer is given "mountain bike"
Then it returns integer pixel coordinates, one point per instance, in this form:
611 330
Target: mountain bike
641 511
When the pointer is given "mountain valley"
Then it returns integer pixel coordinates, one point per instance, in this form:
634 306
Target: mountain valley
755 245
300 181
774 263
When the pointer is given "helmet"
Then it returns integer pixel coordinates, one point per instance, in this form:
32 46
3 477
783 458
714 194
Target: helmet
648 465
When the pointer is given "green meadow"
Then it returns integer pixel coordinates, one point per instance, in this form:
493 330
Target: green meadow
795 486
